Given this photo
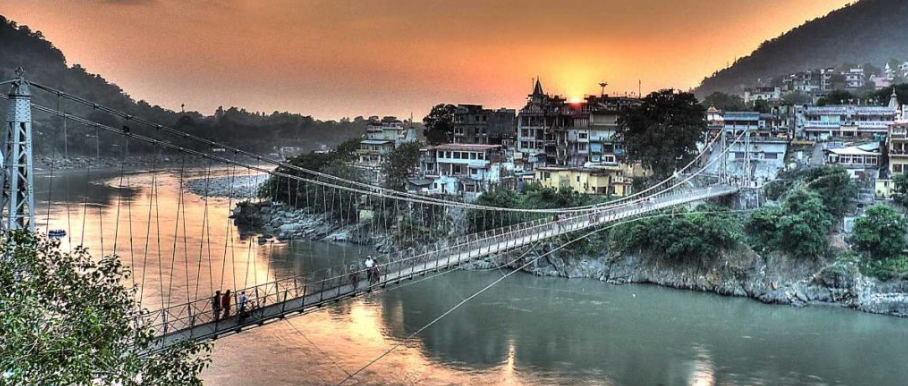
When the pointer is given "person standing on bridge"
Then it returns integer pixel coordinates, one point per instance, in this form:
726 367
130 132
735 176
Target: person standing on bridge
225 304
216 305
370 263
241 304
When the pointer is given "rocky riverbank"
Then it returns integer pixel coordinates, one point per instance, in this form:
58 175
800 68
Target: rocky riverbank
82 162
241 187
286 223
772 279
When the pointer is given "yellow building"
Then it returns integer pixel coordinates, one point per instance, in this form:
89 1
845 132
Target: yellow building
898 157
611 180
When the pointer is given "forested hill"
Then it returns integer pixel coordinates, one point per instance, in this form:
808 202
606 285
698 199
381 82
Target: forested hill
868 31
45 64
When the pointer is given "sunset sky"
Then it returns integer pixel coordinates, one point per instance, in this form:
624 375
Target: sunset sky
335 58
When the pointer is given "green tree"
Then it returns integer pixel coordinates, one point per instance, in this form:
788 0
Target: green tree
835 187
399 165
68 320
440 124
900 189
692 237
804 225
880 233
796 98
724 102
836 97
761 106
663 131
762 227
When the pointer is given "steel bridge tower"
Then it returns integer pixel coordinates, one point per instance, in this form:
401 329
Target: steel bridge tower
17 208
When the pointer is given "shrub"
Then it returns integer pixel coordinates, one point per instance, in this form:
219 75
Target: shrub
880 233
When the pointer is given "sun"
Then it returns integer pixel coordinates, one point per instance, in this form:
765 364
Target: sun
575 100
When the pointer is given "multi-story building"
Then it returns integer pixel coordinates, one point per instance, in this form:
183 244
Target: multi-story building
824 122
553 132
861 161
475 125
896 154
602 180
769 94
854 78
381 138
465 170
536 129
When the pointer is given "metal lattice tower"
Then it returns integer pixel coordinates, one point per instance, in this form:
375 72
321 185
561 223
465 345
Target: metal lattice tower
17 208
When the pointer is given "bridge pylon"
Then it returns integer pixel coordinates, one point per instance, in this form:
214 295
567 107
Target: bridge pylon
17 208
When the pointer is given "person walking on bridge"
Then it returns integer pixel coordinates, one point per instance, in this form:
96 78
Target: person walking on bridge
225 304
216 305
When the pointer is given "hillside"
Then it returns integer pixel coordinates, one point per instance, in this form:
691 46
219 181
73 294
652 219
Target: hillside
45 64
868 31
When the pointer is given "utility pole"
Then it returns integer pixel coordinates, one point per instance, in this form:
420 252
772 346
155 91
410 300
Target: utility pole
18 198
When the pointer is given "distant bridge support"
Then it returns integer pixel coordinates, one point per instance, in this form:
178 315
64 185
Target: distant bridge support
17 208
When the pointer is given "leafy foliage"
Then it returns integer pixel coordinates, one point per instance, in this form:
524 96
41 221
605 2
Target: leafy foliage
440 124
724 102
799 227
662 132
68 320
833 184
835 187
900 189
534 196
398 165
338 204
687 237
887 269
880 233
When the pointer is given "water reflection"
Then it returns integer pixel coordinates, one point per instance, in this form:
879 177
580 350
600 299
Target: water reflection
526 330
180 246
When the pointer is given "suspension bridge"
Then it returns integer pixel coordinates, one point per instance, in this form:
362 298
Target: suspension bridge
418 224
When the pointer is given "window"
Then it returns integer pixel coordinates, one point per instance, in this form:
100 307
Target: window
771 155
578 178
547 175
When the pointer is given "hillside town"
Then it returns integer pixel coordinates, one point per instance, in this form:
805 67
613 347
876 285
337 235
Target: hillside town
557 143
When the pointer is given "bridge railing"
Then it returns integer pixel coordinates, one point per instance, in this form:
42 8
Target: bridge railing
336 282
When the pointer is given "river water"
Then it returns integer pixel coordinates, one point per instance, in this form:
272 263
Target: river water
524 330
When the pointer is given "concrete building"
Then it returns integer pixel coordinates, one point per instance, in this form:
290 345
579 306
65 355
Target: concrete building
535 129
769 94
601 180
825 122
476 125
381 138
861 161
465 170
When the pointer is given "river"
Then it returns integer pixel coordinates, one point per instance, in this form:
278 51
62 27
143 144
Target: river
524 330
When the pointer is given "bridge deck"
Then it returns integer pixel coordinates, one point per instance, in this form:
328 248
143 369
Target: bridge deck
272 301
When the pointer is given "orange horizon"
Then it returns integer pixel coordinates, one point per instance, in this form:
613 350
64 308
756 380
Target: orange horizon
344 58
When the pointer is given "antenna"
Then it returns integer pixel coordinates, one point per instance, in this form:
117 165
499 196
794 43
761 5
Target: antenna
602 85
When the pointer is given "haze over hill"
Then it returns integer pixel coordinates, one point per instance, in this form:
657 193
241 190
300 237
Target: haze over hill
868 31
47 65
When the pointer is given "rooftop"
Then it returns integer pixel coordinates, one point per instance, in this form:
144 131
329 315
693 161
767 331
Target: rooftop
466 147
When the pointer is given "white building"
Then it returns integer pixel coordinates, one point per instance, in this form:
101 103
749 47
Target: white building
762 94
381 138
824 122
862 161
465 170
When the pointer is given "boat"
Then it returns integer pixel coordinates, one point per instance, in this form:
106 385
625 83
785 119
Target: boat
56 233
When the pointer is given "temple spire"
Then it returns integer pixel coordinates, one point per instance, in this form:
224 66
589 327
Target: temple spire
894 99
537 90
